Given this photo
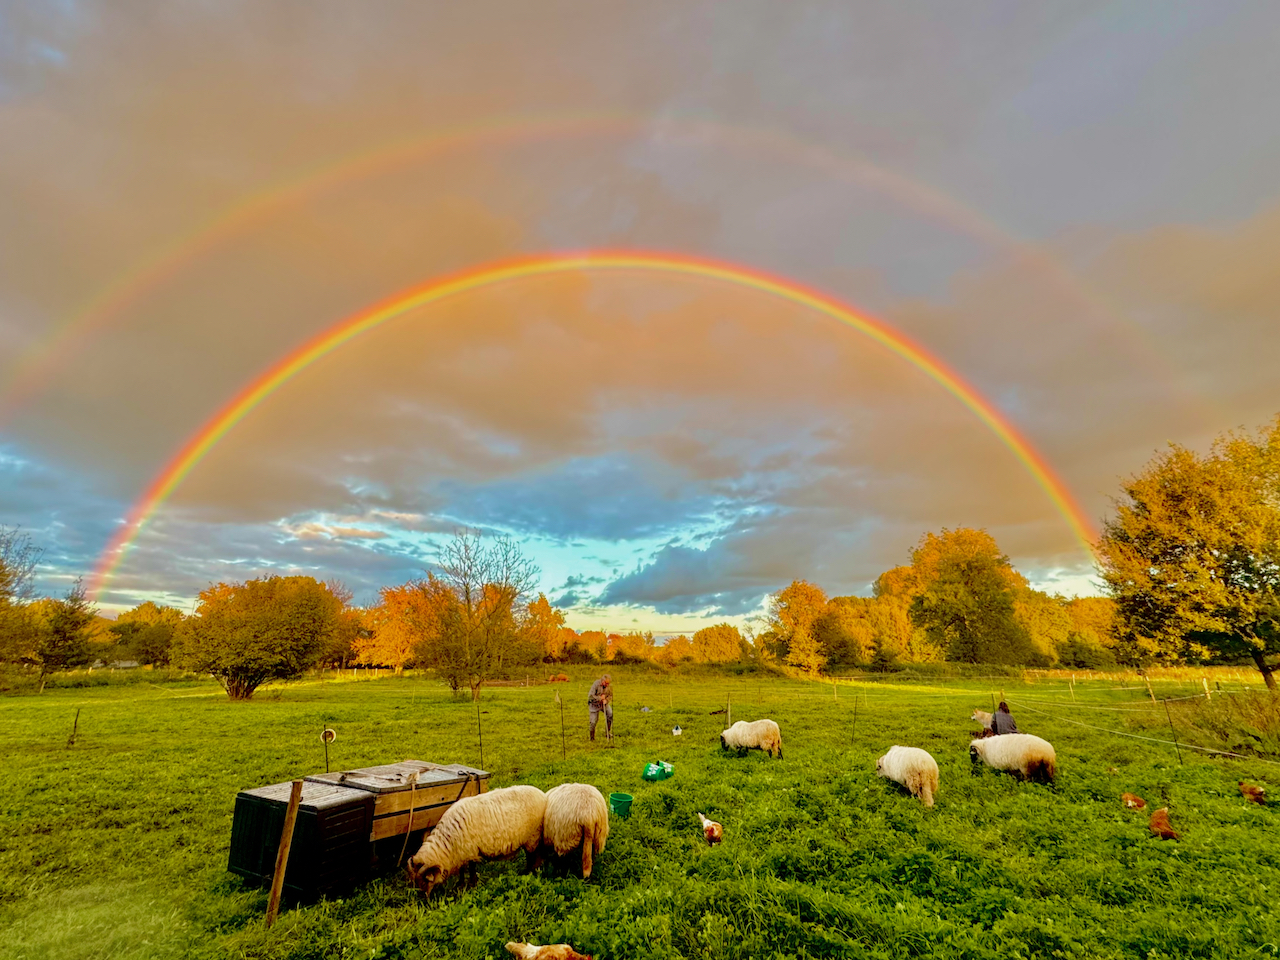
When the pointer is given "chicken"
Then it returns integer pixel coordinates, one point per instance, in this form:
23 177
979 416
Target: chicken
1252 793
1160 825
711 830
1133 801
552 951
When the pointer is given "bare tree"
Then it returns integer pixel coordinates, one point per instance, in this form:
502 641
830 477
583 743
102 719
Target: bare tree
480 634
18 559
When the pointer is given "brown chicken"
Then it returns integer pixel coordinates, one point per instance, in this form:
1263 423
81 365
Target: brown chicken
1160 825
1252 793
1133 801
711 830
552 951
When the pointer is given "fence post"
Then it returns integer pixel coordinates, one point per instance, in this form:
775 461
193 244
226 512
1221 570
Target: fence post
1205 681
1149 693
282 854
1073 688
1173 731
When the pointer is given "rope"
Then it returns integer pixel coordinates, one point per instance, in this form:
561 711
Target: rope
1134 736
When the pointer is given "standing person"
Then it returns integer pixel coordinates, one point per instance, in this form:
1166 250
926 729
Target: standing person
601 698
1002 720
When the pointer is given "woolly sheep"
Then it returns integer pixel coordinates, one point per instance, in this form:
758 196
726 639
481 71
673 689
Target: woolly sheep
493 824
1027 755
913 768
756 735
576 816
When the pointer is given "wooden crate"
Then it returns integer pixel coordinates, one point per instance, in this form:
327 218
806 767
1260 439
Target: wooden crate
438 786
331 850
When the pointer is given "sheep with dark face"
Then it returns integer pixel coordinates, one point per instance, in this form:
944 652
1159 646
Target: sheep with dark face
496 824
1021 753
754 735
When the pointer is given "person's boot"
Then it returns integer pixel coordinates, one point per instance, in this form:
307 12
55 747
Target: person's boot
593 736
608 731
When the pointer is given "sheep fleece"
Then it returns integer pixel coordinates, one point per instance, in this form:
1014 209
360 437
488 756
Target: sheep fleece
754 735
492 824
912 767
576 815
1030 756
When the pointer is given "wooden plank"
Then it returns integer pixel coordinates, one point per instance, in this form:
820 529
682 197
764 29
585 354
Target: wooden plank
425 815
282 855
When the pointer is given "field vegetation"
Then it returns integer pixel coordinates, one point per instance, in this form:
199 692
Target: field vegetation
115 845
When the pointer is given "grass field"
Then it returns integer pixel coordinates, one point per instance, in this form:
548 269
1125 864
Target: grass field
117 845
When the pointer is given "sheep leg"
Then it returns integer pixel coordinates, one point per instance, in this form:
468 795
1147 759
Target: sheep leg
588 841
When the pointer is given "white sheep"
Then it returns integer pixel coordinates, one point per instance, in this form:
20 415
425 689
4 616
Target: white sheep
576 816
754 735
494 824
1025 754
983 718
912 767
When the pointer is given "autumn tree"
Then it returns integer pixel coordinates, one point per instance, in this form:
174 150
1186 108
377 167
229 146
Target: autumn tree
481 633
844 631
1192 555
248 633
675 651
544 628
966 599
895 638
146 632
632 647
1047 622
720 643
63 631
791 613
404 617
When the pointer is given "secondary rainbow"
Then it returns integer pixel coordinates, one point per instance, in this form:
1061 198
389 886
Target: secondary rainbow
542 265
34 370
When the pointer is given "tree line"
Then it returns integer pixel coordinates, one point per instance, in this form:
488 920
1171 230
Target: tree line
1190 563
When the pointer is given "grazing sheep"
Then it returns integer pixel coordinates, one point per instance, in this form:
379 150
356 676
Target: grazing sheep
913 768
756 735
576 815
493 824
552 951
1022 753
1160 825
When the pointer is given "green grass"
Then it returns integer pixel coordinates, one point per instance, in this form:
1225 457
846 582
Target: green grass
117 846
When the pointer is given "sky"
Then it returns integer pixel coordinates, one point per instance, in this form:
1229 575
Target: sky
1071 208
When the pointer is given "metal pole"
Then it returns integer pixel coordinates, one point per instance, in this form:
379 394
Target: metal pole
479 735
564 751
855 718
282 854
1175 732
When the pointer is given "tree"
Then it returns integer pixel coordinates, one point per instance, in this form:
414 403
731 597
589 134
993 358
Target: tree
792 610
18 559
544 628
966 598
633 647
146 632
248 633
481 634
844 631
1047 622
394 628
675 651
64 628
720 643
1192 555
894 637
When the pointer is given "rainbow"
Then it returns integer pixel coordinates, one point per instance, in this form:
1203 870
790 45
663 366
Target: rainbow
542 265
36 367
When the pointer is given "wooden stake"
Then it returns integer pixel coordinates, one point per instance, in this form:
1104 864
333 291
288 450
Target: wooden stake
1175 732
1205 681
855 719
282 855
74 727
728 711
1073 688
564 751
1149 692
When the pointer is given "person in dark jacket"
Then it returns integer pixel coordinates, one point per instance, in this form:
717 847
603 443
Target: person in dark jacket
601 699
1002 720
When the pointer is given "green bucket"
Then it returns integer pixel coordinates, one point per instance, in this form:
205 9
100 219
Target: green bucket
620 803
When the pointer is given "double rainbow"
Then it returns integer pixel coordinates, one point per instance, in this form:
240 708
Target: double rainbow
487 275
